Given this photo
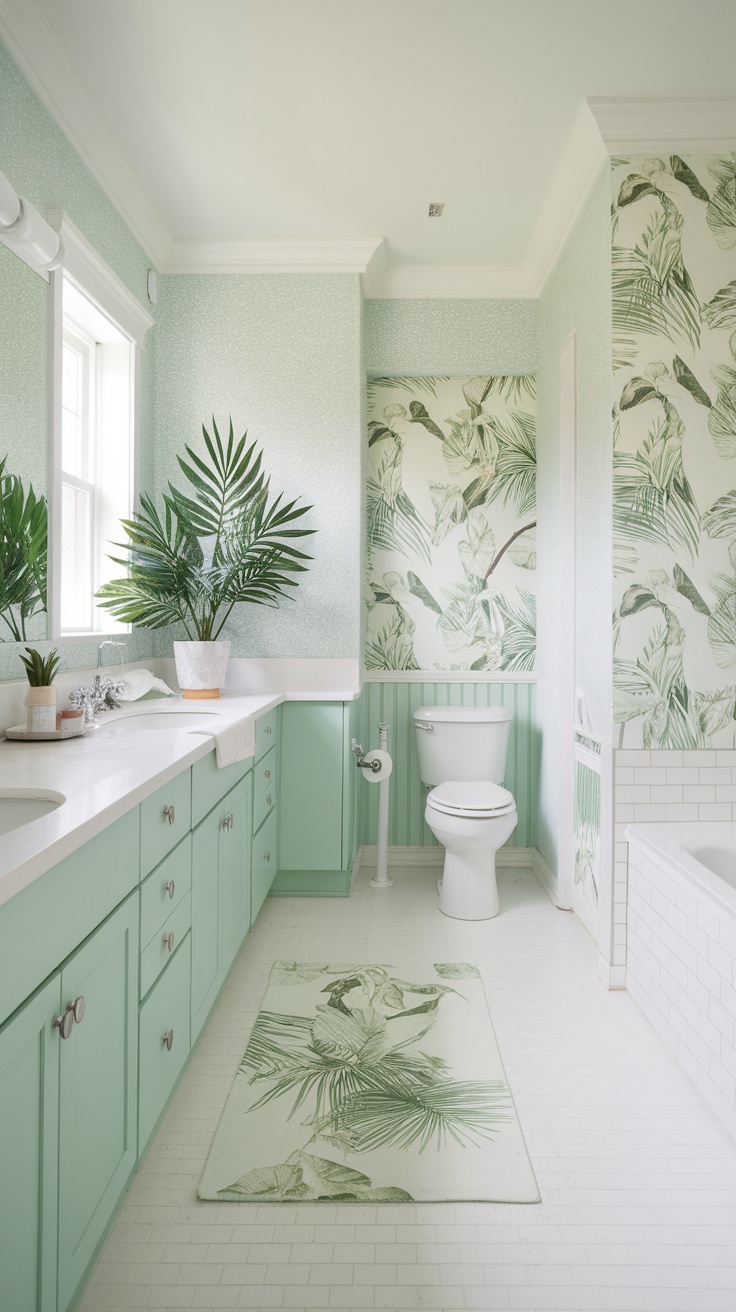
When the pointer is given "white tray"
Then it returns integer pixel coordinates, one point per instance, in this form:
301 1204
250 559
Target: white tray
18 733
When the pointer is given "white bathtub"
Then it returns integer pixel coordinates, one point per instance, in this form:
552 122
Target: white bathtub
699 855
681 949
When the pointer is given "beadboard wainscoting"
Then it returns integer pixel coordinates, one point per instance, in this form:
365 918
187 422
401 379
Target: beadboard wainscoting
393 701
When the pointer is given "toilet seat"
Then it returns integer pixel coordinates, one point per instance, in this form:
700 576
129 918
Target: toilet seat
474 800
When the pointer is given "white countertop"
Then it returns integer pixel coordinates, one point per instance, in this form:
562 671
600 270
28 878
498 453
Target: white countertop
103 775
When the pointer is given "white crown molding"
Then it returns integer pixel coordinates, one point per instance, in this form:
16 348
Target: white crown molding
332 255
98 281
451 281
583 157
42 59
704 123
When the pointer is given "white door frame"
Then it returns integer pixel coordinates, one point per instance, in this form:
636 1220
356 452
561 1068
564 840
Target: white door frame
567 582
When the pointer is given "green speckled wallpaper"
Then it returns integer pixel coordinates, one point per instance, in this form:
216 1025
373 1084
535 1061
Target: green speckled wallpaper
282 353
460 337
43 166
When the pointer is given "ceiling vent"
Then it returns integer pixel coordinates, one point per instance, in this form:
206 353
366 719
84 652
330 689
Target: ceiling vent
436 208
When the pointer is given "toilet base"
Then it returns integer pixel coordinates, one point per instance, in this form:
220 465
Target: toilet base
467 890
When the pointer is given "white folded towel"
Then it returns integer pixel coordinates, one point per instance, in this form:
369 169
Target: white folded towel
136 683
235 742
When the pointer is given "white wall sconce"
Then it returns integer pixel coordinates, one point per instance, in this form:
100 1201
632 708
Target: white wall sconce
26 233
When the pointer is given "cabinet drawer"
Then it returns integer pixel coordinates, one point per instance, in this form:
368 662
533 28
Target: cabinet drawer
210 784
267 732
265 773
159 950
264 863
165 1010
164 889
262 804
165 819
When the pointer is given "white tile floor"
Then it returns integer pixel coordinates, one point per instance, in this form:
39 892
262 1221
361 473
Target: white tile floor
638 1180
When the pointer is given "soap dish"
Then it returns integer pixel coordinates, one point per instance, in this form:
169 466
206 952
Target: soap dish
19 733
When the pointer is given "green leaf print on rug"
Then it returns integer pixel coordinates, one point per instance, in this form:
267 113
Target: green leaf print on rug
370 1082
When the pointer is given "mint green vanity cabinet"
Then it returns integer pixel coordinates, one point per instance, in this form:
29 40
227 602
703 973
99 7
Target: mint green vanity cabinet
267 731
163 890
46 921
165 818
98 1082
265 862
220 896
317 799
164 1040
29 1153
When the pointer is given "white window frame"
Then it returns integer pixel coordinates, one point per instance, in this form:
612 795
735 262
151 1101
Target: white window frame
97 282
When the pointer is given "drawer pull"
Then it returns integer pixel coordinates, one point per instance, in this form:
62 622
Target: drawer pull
169 887
167 1040
267 856
78 1007
268 730
227 823
64 1022
170 814
268 800
267 774
167 940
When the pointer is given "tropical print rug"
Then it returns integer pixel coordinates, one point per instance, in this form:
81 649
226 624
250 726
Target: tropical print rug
371 1083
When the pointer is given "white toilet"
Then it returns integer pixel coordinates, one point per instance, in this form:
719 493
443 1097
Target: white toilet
462 752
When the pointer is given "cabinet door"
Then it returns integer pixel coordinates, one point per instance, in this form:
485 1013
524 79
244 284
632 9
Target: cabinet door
207 967
235 869
29 1098
97 1090
311 786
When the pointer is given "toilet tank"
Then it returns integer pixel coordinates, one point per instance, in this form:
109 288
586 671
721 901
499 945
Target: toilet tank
462 742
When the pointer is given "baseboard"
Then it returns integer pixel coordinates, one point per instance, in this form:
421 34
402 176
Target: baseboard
311 883
545 875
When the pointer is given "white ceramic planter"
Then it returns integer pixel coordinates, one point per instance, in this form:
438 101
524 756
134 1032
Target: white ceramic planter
41 709
201 667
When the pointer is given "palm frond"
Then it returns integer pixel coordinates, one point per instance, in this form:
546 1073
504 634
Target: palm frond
428 384
519 642
465 1111
652 290
515 475
23 553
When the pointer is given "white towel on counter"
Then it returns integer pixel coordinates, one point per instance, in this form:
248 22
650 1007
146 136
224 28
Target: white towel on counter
235 742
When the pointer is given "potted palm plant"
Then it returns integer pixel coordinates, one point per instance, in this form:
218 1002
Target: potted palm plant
23 554
223 542
41 699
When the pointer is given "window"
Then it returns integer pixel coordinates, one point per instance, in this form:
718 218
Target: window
98 328
96 457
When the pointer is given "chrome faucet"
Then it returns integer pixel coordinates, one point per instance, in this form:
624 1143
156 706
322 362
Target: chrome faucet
102 696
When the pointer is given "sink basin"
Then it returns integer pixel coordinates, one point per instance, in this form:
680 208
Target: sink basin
19 806
156 720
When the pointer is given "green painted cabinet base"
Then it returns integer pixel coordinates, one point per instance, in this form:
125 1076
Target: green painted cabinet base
312 883
29 1152
98 1085
163 1041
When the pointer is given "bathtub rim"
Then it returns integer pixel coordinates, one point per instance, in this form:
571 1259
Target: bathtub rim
663 844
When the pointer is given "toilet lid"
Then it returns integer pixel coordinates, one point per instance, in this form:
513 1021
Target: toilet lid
472 799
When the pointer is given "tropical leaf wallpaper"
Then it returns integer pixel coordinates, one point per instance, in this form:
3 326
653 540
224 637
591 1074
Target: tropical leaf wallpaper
674 350
586 845
451 524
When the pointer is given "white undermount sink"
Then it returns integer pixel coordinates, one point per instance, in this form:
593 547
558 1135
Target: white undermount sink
147 722
20 806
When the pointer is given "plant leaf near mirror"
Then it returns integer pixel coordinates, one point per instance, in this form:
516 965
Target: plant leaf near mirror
206 551
23 555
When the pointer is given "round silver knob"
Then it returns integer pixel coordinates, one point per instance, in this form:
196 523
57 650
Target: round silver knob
268 800
170 814
230 821
78 1008
169 887
167 1040
65 1022
167 940
267 856
267 774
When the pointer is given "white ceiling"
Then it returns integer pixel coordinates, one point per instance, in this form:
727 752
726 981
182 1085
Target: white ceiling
262 120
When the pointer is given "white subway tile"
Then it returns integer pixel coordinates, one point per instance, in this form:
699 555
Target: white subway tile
668 758
683 775
715 774
682 812
626 756
715 811
699 793
645 774
646 813
632 793
666 793
699 758
624 774
707 922
725 756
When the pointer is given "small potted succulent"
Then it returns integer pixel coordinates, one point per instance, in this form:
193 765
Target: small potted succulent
223 543
41 699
